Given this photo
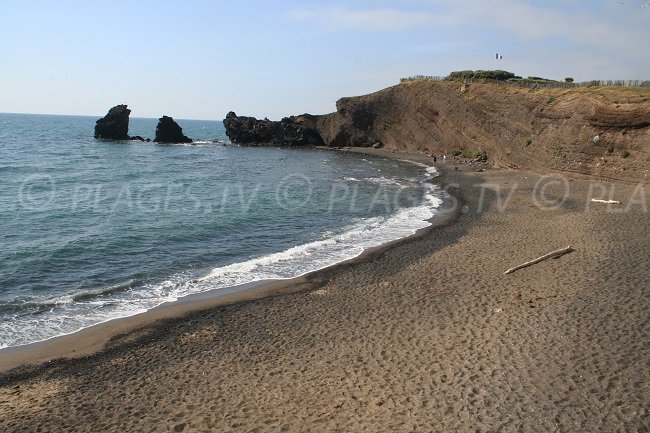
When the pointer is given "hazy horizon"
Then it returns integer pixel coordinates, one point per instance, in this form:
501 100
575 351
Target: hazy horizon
131 116
201 59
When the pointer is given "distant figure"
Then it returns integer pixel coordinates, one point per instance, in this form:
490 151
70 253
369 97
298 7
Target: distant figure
434 158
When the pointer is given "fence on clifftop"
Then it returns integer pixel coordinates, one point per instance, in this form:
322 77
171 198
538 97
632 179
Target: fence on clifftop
536 84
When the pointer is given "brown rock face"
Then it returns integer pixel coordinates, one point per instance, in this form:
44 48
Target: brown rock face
620 115
537 129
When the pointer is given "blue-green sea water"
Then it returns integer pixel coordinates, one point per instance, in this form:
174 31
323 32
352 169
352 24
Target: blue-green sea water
95 230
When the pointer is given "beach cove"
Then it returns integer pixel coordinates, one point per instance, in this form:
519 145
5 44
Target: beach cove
325 217
426 334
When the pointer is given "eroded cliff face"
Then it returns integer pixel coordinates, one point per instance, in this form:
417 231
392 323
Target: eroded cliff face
599 131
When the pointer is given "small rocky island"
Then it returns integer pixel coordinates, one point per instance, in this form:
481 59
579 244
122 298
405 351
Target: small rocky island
168 131
115 125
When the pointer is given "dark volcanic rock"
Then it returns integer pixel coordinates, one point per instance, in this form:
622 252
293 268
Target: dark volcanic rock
115 125
290 131
353 124
169 131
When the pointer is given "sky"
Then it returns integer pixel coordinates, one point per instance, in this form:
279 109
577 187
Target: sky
199 59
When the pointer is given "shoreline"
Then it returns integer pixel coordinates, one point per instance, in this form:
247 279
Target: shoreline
95 338
426 335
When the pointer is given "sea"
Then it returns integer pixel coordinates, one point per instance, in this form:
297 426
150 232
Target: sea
94 230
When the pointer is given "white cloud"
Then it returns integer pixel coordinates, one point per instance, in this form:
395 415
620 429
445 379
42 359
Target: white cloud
602 25
339 18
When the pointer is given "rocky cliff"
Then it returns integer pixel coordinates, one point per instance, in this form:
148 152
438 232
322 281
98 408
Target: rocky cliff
595 131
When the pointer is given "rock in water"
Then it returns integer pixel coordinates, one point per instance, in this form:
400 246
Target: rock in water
169 131
290 131
115 125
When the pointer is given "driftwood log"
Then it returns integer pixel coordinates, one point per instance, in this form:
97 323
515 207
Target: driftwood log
597 200
556 253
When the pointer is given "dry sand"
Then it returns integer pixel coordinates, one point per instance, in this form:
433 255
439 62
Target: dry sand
427 335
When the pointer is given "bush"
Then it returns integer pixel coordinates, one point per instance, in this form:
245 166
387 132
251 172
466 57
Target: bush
529 142
568 80
625 153
540 80
480 74
494 75
460 75
474 154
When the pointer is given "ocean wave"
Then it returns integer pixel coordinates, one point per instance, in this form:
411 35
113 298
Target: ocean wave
430 171
25 306
209 141
336 247
383 180
28 320
92 294
380 180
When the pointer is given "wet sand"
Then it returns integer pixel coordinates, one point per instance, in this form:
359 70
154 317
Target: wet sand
426 335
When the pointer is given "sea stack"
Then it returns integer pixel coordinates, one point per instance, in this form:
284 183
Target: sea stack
115 125
168 131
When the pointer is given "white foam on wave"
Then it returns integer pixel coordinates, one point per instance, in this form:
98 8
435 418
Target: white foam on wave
336 247
383 180
207 141
429 169
375 180
62 319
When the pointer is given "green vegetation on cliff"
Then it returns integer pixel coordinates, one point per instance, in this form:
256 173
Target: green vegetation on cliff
495 75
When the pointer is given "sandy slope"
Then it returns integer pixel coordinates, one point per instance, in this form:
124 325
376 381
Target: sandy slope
427 336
